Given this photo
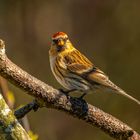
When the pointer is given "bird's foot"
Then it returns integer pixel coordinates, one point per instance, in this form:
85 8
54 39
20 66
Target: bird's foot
82 96
66 91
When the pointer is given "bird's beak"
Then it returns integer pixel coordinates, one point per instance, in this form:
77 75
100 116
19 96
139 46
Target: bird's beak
60 42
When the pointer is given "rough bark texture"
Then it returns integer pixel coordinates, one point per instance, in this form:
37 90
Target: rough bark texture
10 128
53 98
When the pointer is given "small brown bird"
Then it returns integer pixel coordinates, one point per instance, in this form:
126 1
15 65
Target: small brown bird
75 72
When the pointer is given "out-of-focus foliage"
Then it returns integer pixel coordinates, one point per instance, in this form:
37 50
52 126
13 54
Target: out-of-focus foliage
33 136
107 31
10 96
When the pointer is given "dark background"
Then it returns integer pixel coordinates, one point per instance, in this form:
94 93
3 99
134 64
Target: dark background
107 31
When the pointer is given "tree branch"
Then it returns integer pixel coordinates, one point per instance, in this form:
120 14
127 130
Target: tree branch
53 98
22 111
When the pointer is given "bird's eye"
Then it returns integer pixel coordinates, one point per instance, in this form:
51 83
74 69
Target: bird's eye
63 40
55 41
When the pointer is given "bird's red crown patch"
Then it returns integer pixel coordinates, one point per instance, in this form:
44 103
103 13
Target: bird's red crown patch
59 34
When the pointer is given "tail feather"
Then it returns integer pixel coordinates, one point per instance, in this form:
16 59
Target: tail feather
128 96
122 92
100 78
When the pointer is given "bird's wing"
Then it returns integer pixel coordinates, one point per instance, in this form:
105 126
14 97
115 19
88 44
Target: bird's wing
77 63
91 74
101 78
78 68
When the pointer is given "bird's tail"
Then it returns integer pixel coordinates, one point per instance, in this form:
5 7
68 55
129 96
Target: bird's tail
128 96
122 92
100 78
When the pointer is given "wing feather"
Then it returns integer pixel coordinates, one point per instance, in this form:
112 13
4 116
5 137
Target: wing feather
101 78
78 64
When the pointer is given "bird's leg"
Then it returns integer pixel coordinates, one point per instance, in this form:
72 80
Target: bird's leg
67 91
82 96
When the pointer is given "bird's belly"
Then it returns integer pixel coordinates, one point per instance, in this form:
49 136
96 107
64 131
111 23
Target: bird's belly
70 83
59 77
78 84
68 80
62 82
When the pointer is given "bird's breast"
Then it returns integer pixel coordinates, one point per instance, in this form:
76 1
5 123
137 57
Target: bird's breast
58 71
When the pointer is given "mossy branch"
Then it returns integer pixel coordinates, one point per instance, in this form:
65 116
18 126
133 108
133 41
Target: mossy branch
53 98
10 128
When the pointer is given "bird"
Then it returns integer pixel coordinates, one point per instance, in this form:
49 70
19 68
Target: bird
75 72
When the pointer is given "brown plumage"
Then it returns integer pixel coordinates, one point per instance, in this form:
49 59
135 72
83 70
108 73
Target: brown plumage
74 71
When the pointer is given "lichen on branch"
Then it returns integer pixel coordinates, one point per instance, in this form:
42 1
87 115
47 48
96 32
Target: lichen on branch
10 128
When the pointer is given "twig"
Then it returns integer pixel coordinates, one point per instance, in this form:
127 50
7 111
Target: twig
53 98
21 112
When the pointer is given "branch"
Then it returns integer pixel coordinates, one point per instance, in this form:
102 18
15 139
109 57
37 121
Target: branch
10 100
53 98
22 111
10 128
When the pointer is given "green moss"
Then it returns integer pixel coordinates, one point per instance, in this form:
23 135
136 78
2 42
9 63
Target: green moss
10 128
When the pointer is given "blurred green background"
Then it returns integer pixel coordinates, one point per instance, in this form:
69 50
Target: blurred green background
107 31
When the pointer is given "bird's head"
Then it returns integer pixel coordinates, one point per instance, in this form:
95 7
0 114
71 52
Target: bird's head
60 43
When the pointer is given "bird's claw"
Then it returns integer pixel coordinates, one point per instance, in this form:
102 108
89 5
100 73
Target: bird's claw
82 96
66 91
